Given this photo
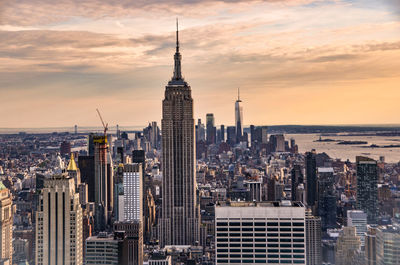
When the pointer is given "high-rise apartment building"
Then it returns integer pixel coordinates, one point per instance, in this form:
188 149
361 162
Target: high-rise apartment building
313 239
260 233
179 224
367 188
311 178
326 198
59 223
104 182
133 196
6 224
239 118
358 219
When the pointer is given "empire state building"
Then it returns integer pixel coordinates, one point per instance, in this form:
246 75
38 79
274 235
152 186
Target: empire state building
179 224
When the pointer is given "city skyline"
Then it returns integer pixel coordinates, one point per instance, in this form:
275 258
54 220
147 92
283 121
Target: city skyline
302 62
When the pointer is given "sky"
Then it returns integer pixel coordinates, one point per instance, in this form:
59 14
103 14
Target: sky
295 61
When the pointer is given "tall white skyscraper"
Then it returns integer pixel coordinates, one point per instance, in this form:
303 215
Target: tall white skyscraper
59 223
239 118
260 233
358 219
132 183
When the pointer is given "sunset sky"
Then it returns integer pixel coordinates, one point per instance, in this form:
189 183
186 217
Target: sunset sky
295 61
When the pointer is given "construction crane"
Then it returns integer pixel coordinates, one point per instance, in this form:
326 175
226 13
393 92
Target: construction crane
105 126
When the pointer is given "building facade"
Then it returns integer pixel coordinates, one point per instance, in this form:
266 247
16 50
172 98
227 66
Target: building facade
260 233
367 188
59 223
179 224
133 197
6 224
313 239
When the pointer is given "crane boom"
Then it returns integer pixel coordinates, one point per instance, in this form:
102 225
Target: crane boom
105 126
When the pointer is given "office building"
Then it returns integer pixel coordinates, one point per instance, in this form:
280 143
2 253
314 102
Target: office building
370 246
160 259
59 223
311 178
211 129
200 131
231 135
326 198
86 168
105 249
133 245
358 219
296 179
313 239
388 245
179 224
255 190
222 130
260 233
6 224
347 246
239 118
367 188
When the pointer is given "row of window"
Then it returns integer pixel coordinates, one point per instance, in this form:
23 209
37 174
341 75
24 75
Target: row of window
262 250
295 229
260 235
260 224
235 239
219 261
273 256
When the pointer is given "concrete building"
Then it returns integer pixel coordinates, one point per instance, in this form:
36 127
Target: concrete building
133 243
179 224
6 223
105 249
388 245
313 239
255 190
59 223
347 246
160 259
370 246
358 219
260 233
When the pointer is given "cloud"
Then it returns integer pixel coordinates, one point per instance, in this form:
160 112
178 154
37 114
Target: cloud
45 12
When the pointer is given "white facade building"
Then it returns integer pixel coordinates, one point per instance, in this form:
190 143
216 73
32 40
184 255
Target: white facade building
260 233
132 198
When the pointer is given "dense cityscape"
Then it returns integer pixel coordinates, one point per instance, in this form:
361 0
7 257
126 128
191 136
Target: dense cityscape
192 192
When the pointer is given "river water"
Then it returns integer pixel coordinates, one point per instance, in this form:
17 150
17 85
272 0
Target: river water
306 142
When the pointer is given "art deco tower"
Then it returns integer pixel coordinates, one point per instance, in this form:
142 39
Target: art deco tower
179 224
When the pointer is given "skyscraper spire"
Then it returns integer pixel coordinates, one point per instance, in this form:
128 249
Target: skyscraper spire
238 93
177 57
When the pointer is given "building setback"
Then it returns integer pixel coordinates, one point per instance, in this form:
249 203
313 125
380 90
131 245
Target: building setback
179 224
